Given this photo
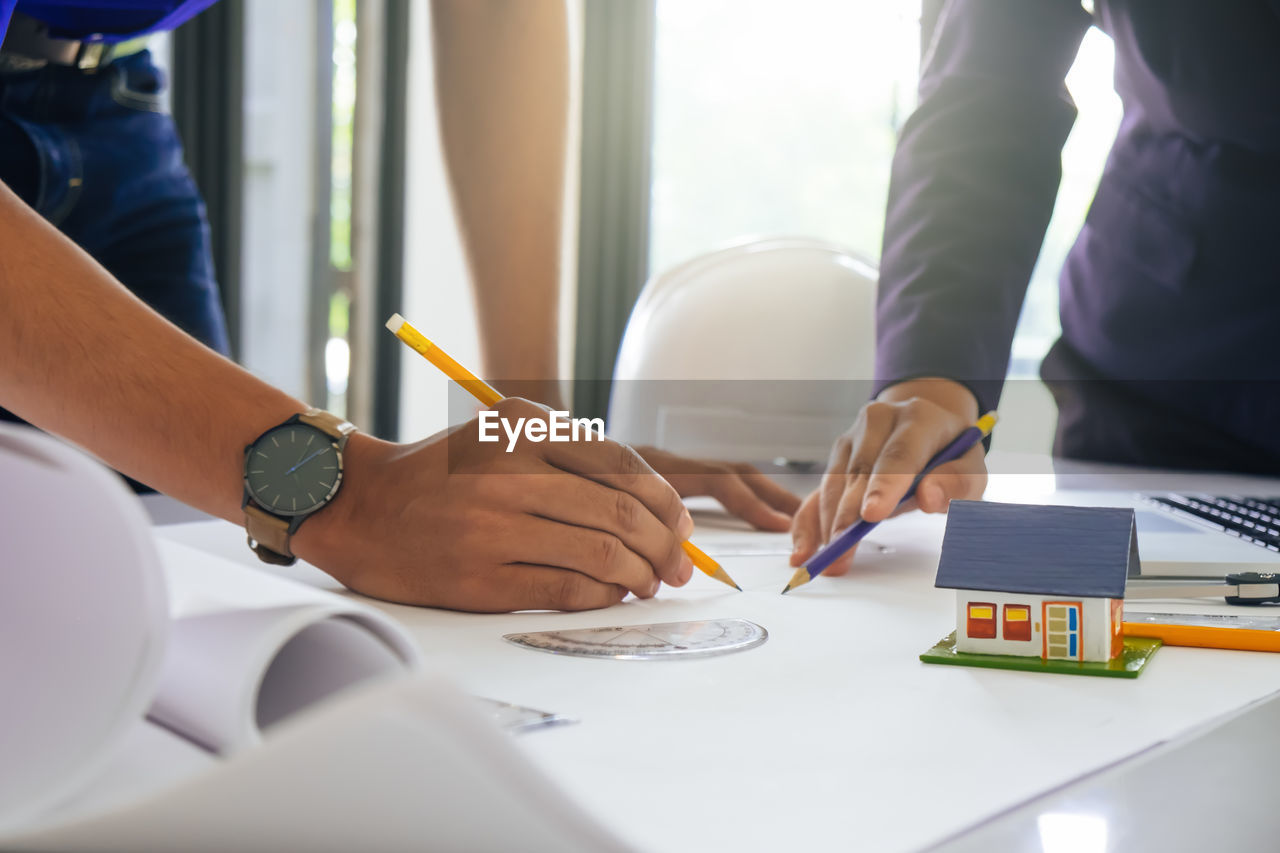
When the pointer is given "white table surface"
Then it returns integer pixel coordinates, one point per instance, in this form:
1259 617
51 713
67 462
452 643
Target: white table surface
832 735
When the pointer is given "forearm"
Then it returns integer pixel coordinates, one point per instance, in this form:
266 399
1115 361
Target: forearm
502 90
82 357
450 522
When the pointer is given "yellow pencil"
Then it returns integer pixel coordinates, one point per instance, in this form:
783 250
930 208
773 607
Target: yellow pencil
418 342
1204 636
489 396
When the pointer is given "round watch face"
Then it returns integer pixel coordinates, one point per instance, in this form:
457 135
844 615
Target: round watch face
293 469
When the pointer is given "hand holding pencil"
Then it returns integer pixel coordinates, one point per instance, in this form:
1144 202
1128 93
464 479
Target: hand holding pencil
607 465
874 464
845 541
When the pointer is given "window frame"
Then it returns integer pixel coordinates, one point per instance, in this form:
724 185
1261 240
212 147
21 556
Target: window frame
615 188
987 625
1024 624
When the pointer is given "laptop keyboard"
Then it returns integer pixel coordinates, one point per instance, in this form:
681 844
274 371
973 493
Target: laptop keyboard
1254 520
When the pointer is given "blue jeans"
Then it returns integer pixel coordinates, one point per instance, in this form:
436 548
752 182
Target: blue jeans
97 156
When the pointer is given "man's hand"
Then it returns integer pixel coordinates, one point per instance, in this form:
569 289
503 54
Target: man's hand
872 465
457 523
742 489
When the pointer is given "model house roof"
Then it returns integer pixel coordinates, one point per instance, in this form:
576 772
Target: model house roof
1083 552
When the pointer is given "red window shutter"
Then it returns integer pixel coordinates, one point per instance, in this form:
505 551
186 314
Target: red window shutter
1017 622
982 620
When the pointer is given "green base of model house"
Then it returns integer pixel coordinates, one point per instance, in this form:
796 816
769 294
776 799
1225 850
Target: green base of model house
1128 664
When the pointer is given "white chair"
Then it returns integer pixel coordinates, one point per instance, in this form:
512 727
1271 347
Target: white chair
758 351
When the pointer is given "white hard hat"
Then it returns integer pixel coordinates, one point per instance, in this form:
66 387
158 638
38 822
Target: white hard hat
760 350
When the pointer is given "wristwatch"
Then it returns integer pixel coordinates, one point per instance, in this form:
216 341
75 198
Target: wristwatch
291 472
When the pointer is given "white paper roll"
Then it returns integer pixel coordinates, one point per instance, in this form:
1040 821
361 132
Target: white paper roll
248 649
83 619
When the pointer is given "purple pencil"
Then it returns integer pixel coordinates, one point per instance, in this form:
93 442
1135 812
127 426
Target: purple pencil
838 547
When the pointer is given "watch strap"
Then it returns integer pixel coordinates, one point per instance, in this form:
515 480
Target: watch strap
268 535
328 423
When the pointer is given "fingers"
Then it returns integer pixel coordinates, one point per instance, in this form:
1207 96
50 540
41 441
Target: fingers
523 586
594 553
963 479
584 503
781 499
872 467
833 485
595 507
921 428
870 432
735 491
842 565
807 538
740 488
908 450
806 530
619 467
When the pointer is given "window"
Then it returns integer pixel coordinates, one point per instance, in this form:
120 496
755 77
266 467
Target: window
777 118
1090 84
336 297
770 118
282 164
982 620
313 234
1017 622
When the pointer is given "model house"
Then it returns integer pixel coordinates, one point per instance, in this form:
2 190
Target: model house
1038 581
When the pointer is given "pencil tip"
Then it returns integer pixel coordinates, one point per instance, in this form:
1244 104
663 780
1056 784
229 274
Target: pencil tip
800 578
721 575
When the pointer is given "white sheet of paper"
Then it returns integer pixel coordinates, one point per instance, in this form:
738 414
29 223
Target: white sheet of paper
408 765
150 759
832 735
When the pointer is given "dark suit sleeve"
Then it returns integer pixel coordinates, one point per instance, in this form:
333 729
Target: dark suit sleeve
974 179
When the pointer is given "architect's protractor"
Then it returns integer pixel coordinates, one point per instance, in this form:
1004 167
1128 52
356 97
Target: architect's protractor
669 640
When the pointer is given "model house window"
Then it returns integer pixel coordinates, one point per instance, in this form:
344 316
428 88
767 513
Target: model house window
1017 622
982 620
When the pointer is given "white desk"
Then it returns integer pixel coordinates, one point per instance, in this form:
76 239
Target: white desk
1210 790
832 735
